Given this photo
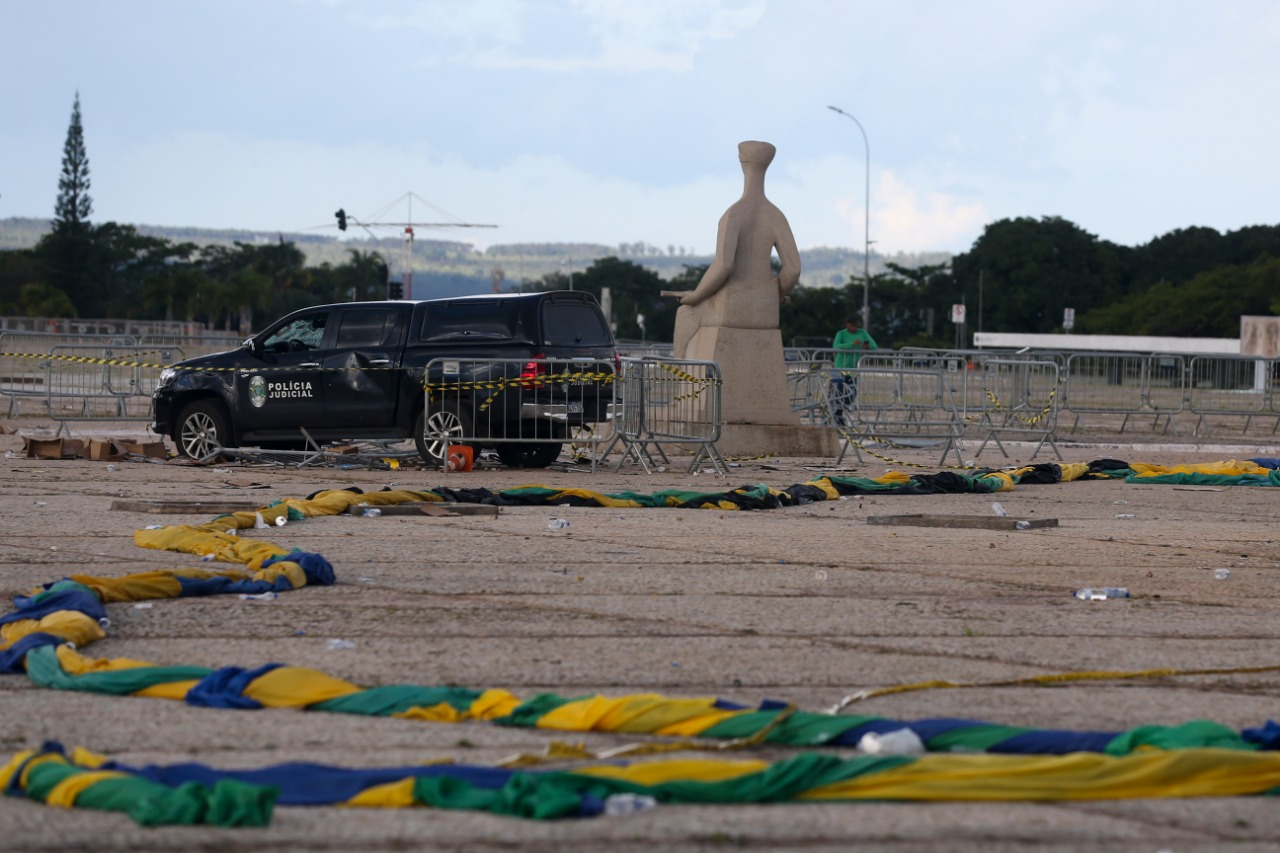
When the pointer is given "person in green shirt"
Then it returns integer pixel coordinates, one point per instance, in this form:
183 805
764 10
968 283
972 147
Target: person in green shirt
850 344
854 342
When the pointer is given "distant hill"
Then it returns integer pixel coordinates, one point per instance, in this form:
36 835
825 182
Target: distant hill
462 268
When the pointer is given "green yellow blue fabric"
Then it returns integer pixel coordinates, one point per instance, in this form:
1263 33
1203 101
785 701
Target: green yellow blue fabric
44 635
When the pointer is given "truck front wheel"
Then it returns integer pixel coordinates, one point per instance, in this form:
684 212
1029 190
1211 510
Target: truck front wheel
203 430
437 428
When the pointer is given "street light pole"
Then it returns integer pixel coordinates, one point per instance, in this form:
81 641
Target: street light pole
866 249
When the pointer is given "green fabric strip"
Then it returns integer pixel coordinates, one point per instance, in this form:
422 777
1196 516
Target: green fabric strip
44 669
227 803
545 796
978 738
1197 733
527 714
1271 478
396 699
804 728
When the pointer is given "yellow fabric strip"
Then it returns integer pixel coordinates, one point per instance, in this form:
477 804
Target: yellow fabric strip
65 792
68 624
692 769
1230 467
441 713
141 586
1078 776
296 687
392 795
1073 470
82 757
492 704
12 765
176 690
695 725
74 663
636 714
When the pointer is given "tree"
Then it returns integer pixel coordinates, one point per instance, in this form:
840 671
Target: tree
74 206
67 248
1033 269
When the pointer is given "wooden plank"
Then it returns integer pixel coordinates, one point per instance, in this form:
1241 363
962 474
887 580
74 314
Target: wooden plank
432 509
980 522
215 507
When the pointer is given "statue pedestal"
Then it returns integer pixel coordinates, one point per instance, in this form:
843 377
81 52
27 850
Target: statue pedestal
754 375
755 404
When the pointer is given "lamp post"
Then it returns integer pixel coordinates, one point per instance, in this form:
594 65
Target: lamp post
866 250
569 261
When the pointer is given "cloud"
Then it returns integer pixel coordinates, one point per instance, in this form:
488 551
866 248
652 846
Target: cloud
906 219
563 38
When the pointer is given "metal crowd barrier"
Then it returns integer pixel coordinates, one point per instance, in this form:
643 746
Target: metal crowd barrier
1125 385
526 408
1237 386
668 401
891 406
81 376
103 382
1023 404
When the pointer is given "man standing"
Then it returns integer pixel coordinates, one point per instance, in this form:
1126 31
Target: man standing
850 344
854 341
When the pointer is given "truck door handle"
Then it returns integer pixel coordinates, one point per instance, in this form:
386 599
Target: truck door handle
380 361
309 364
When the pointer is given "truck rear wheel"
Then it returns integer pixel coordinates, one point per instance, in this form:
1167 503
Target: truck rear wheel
438 427
538 454
203 430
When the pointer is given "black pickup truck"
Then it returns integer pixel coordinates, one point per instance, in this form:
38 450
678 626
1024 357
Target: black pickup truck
481 370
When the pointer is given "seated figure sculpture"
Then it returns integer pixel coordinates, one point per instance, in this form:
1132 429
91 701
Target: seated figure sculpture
739 290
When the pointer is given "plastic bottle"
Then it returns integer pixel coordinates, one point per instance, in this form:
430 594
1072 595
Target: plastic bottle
371 512
1101 593
1022 525
1221 574
999 510
1125 515
558 523
619 805
262 596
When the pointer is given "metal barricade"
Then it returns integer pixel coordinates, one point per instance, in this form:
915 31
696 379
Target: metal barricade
103 382
1110 385
527 409
24 368
1232 386
892 406
667 401
1023 403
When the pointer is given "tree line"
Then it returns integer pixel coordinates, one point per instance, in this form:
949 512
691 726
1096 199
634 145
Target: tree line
1018 276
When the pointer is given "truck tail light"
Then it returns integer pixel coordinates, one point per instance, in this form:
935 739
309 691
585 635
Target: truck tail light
531 371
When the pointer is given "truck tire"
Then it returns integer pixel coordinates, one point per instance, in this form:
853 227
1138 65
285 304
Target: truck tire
203 430
538 454
438 427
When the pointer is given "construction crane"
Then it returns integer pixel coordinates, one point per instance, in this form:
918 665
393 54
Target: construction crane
408 226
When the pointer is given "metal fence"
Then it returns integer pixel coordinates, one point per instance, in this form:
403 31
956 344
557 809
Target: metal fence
527 409
81 377
671 402
893 407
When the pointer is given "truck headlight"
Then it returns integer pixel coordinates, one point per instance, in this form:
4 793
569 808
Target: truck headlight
167 375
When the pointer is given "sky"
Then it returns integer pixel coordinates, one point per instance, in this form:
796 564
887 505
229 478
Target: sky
616 121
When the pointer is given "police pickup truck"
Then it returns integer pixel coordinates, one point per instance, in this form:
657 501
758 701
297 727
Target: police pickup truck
516 372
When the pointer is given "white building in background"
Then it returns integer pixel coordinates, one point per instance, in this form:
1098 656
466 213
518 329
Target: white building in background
1108 343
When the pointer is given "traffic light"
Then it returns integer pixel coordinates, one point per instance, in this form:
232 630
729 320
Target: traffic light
342 219
395 290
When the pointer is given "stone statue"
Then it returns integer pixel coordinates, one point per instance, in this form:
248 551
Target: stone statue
739 289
